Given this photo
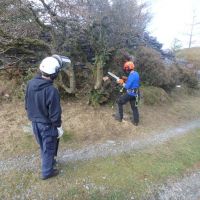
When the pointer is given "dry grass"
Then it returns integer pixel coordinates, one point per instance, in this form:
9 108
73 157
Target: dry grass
87 125
14 140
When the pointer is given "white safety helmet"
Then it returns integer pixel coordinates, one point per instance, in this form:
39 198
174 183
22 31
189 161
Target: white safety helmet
53 64
50 65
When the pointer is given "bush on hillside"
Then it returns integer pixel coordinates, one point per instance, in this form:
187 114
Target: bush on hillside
188 77
13 82
98 97
153 71
172 78
190 56
154 95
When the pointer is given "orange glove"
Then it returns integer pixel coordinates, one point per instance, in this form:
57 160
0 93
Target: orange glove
120 81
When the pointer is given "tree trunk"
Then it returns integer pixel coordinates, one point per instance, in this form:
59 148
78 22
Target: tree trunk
72 81
99 73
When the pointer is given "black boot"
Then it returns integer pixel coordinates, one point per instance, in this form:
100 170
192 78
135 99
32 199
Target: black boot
54 173
135 123
117 118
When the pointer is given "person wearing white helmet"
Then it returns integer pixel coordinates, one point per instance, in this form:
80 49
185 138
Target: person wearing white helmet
42 103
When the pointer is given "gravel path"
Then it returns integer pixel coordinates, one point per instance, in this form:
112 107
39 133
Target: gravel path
99 150
187 188
114 148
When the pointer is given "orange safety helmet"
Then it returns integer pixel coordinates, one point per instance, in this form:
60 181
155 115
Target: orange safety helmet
128 66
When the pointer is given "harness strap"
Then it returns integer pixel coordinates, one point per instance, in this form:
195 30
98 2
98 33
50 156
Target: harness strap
135 90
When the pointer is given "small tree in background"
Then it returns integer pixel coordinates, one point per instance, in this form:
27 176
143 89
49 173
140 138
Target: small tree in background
193 30
176 45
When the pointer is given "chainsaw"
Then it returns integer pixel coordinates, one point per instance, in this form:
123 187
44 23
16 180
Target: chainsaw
116 78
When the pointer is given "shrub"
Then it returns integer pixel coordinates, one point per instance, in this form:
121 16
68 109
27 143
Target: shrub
188 77
172 78
154 95
152 69
98 97
13 83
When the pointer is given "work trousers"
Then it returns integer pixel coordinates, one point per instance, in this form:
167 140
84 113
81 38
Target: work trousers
46 136
123 100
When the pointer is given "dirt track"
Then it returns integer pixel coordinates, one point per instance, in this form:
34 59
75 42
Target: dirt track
100 150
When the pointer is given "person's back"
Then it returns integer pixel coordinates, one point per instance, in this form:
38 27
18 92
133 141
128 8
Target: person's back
43 102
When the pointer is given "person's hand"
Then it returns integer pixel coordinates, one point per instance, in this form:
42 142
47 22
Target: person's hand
60 132
120 81
105 78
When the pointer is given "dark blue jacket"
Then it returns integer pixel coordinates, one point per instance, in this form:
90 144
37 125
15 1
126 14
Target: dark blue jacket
133 82
42 102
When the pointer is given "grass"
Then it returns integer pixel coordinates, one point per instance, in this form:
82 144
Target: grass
112 178
67 136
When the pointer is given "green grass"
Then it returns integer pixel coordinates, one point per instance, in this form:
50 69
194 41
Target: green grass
25 143
67 136
112 178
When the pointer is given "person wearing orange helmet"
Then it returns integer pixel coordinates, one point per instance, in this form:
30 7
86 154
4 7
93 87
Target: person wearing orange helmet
131 85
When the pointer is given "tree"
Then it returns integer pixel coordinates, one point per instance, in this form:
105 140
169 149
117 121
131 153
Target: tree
26 20
129 22
71 27
193 26
61 19
176 45
115 24
18 35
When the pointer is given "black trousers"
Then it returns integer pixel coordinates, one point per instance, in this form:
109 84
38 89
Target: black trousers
123 100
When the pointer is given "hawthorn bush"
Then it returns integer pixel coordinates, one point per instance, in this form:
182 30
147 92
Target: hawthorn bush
153 71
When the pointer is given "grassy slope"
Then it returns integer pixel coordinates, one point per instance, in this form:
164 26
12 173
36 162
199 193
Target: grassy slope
120 177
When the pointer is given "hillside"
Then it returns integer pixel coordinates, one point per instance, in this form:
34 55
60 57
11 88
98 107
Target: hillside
192 55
